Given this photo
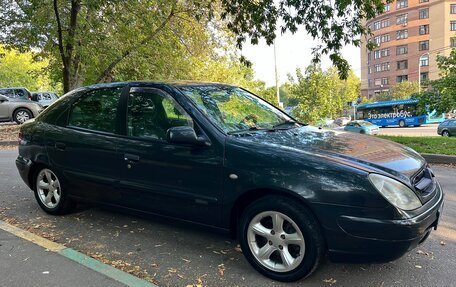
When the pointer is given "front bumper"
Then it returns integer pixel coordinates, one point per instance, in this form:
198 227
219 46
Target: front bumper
378 240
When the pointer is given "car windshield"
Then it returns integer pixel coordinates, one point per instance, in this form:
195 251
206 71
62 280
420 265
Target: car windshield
236 110
365 124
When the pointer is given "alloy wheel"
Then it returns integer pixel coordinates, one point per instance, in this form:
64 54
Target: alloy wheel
48 188
276 241
22 116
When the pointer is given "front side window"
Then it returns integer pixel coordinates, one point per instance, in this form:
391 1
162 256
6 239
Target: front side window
8 93
96 110
151 113
234 109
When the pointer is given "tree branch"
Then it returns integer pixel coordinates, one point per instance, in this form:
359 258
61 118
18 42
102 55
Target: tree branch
107 72
59 32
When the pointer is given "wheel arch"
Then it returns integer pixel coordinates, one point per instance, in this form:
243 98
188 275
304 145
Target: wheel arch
21 107
254 194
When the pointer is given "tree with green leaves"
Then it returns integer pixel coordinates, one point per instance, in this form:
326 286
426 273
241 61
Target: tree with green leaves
322 94
23 70
404 90
333 23
442 95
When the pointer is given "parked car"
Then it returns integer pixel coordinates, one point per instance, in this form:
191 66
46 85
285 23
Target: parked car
362 127
44 98
342 121
16 93
17 109
447 128
219 156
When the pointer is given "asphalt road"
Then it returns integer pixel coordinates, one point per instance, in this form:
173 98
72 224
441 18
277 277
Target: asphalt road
173 254
424 130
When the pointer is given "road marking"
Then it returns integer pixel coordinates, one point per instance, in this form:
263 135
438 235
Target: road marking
87 261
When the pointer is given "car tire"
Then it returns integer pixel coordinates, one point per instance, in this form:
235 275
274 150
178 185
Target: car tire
445 134
362 132
22 115
283 260
49 192
401 123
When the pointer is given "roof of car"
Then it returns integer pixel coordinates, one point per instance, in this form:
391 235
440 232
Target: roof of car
168 83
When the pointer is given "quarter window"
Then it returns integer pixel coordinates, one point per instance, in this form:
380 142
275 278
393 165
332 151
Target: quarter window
97 110
152 112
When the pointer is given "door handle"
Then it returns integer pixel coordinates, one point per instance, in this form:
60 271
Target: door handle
60 146
131 157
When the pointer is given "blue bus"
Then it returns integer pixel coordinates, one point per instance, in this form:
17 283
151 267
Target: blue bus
391 113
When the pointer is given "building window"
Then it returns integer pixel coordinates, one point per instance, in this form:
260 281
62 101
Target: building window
385 81
376 25
402 64
423 1
387 8
377 68
385 66
424 29
369 70
400 50
402 19
424 76
424 13
402 78
377 40
453 8
385 38
424 60
384 53
401 4
453 42
424 45
401 34
378 82
453 25
385 23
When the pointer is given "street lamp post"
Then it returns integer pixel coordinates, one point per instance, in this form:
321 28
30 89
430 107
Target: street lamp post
419 70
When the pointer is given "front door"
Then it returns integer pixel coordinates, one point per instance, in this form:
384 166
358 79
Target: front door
181 181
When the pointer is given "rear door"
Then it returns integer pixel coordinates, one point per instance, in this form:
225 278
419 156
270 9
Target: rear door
85 148
177 180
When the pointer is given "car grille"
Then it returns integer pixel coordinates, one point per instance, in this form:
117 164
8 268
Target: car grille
424 183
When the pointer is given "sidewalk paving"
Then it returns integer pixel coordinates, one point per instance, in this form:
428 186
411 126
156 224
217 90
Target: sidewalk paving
24 264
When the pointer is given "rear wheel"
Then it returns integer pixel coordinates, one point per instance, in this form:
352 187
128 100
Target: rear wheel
445 134
49 193
281 239
22 115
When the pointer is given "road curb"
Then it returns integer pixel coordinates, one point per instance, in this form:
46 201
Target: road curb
78 257
439 158
5 143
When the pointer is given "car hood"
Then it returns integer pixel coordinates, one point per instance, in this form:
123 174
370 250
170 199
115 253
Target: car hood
361 151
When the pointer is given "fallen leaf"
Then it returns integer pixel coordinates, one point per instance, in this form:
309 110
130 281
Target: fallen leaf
331 281
418 266
172 270
221 269
186 260
442 243
238 248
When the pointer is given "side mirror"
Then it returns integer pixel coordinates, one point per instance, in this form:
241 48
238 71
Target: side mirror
3 99
185 135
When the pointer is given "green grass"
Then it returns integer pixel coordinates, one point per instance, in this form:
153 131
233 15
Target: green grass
437 145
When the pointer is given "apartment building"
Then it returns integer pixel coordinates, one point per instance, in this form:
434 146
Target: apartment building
409 35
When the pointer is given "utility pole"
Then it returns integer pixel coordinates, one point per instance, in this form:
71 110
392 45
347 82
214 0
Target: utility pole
276 73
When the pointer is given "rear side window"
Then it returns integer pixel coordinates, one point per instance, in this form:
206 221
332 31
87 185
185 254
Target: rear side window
96 110
8 93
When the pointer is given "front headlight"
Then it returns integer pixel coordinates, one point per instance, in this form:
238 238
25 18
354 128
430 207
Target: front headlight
395 192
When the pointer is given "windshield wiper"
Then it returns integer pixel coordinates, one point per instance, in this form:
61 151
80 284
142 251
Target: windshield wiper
285 124
251 129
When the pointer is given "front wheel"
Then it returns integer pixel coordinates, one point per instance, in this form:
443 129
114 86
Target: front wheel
281 238
49 193
445 134
402 123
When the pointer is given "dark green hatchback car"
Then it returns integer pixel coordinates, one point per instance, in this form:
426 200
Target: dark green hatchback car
217 155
